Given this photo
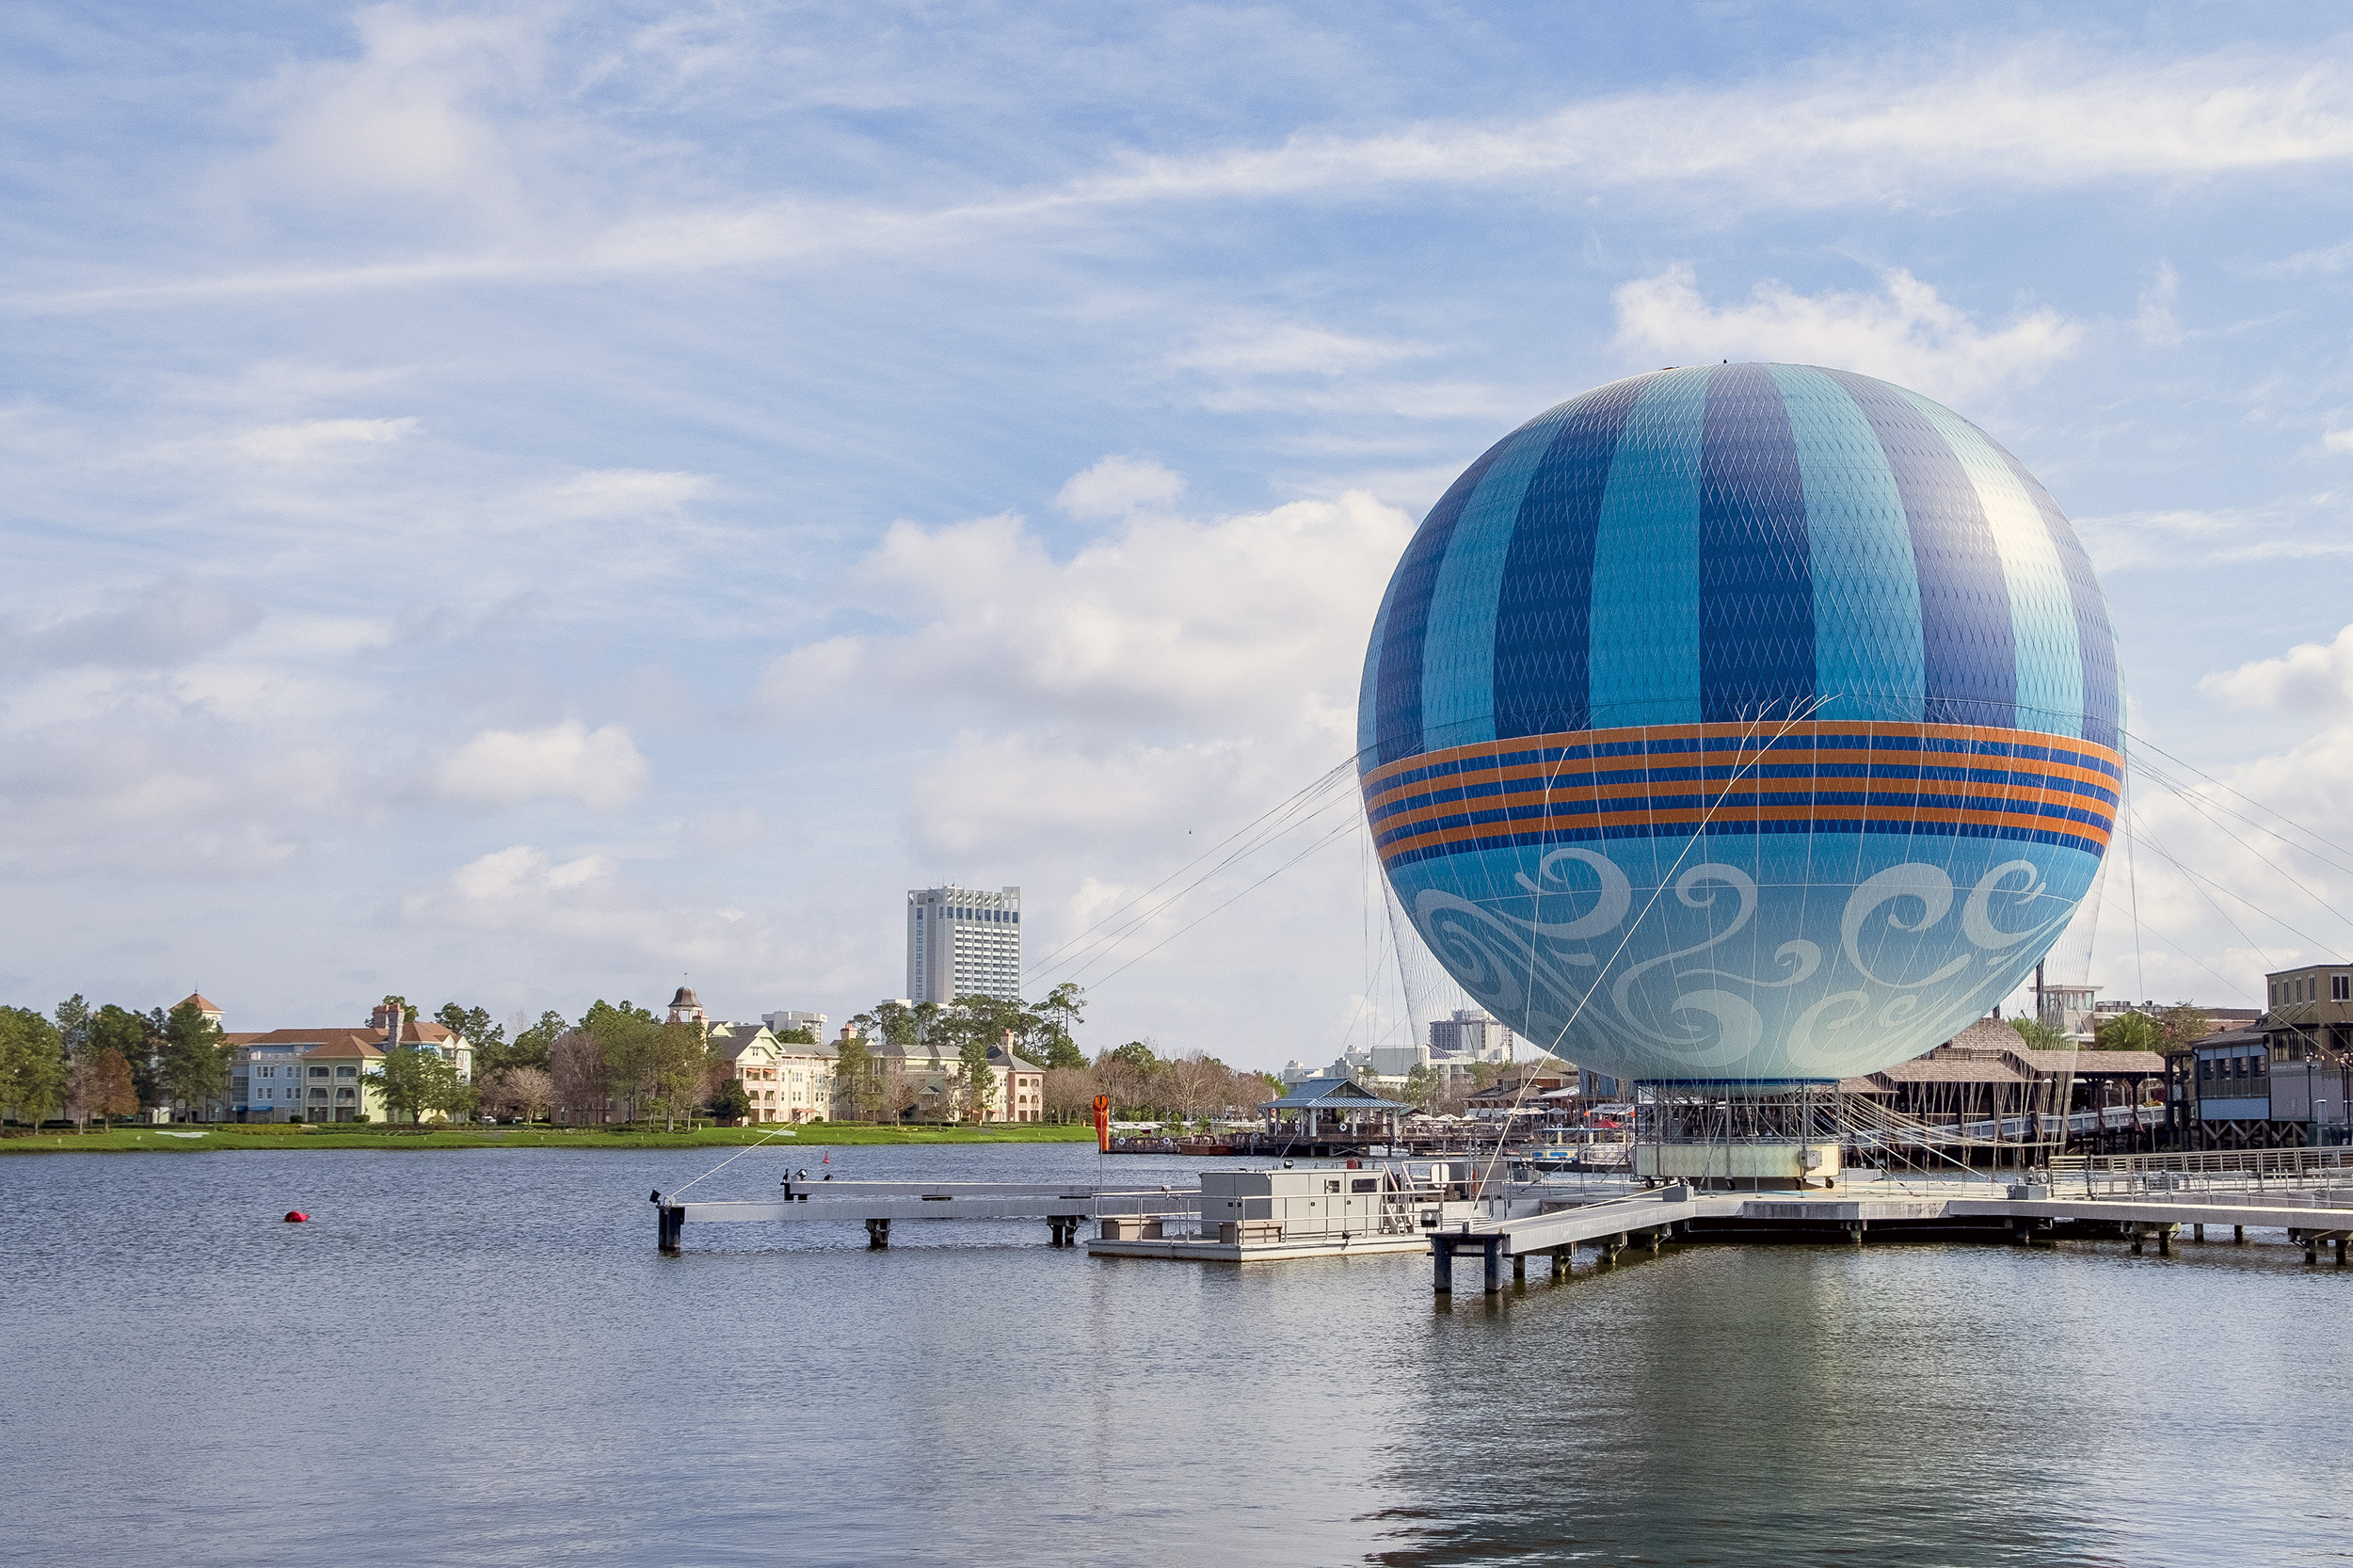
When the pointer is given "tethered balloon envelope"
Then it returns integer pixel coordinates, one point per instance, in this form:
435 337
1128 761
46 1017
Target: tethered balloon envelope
1749 722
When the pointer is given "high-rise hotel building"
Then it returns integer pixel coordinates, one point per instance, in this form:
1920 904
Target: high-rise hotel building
962 942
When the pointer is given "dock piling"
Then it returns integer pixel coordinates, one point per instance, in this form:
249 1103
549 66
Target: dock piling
1494 1265
877 1235
1442 1265
1519 1270
669 1218
1560 1258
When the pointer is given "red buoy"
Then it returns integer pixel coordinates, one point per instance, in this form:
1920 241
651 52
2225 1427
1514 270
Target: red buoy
296 1217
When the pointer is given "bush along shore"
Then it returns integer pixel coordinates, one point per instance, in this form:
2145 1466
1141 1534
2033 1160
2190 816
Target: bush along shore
142 1139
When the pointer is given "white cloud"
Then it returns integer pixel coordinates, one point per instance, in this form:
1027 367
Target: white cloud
1118 485
623 492
2156 324
2044 116
1906 334
506 767
2337 440
408 118
308 439
1022 794
1873 130
2292 529
590 905
2311 678
1285 348
1162 619
523 872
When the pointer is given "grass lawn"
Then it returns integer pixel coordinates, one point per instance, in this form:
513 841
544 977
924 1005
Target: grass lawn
184 1140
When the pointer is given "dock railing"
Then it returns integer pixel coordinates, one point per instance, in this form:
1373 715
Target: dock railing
2203 1170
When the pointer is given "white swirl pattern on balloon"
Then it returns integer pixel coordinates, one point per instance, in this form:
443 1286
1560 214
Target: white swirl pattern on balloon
1908 972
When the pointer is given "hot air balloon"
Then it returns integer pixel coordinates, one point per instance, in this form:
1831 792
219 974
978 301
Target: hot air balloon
1749 723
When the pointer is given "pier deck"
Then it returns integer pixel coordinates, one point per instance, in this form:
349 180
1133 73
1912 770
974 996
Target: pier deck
1650 1218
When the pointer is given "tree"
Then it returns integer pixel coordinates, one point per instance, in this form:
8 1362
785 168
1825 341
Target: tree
1421 1086
2036 1036
2126 1031
126 1034
977 1078
1059 1014
800 1037
1133 1077
576 1066
32 1064
630 1039
730 1101
679 1066
74 1024
416 1079
195 1058
531 1044
481 1032
1069 1093
856 1087
2181 1025
524 1092
100 1085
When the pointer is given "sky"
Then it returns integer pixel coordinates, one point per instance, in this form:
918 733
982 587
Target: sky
521 504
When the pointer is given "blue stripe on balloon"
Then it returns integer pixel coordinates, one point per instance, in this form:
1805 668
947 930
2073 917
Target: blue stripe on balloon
2095 635
1458 664
2041 613
1755 577
1397 725
1643 637
1969 666
1866 598
1544 613
1368 684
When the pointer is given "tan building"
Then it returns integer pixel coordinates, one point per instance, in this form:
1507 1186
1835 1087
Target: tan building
2316 1001
1017 1089
1019 1093
321 1074
785 1081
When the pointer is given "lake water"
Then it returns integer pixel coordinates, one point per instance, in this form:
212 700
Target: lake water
480 1358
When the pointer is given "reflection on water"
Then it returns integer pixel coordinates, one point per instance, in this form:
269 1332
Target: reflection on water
479 1358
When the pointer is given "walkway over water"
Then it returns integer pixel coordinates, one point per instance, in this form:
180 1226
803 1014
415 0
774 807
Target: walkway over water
2026 1213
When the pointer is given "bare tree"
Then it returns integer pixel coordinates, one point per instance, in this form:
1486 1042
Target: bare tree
1069 1093
577 1066
100 1085
524 1092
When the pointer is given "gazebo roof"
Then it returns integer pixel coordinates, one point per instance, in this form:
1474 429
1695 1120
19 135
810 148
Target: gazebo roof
1332 1094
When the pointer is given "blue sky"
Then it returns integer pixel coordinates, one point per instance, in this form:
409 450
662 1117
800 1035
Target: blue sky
521 504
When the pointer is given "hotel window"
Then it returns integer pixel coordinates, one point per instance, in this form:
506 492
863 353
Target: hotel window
2341 988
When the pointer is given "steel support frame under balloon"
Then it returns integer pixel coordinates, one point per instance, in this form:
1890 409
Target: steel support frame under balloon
1691 1114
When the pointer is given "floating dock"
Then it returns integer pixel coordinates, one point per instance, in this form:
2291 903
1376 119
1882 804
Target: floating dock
1452 1209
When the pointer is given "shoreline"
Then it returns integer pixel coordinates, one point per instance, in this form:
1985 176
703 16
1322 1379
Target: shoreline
212 1137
